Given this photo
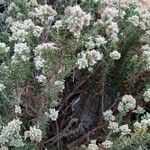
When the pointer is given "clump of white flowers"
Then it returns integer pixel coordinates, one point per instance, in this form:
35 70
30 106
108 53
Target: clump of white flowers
41 78
59 85
82 62
38 51
88 58
44 46
34 134
146 120
127 104
10 134
124 129
14 125
139 110
76 19
21 51
115 55
144 123
134 20
2 87
145 47
92 145
109 13
146 56
21 30
146 117
53 114
137 125
94 1
113 126
112 31
44 13
100 40
58 24
17 109
39 62
107 144
4 148
108 115
147 95
3 47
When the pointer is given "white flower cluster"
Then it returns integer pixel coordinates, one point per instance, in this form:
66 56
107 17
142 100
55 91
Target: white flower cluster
21 48
4 48
14 125
59 85
2 87
109 13
127 104
107 144
145 47
115 55
112 31
4 148
76 19
9 20
41 78
22 51
147 95
44 46
10 134
53 114
44 13
146 56
92 145
94 1
88 58
144 123
124 129
34 134
17 109
58 24
109 2
113 7
99 40
89 44
141 19
39 61
108 115
20 30
113 126
134 20
139 110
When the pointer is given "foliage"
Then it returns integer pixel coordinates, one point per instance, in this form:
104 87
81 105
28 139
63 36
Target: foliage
42 44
